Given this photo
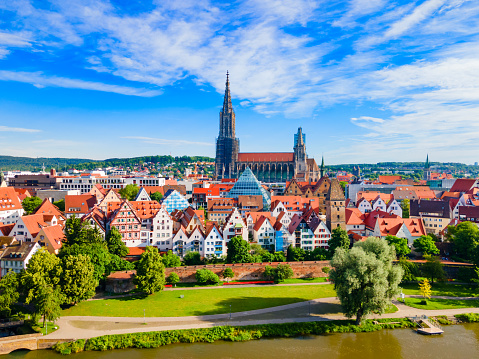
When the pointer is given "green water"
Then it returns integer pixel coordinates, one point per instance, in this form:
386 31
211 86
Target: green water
458 341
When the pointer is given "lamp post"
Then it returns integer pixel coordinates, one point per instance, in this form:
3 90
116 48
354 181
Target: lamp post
230 311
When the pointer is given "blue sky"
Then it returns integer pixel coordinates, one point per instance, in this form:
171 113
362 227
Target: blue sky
368 80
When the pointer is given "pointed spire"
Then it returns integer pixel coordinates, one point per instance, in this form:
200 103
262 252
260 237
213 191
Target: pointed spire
427 165
300 137
227 106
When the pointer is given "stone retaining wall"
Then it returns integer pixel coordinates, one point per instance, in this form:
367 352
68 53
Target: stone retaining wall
251 271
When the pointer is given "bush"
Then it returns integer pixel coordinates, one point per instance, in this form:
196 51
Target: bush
278 274
228 273
205 276
192 259
173 278
468 317
326 270
227 333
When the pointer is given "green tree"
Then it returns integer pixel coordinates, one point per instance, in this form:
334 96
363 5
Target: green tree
205 276
192 259
405 206
98 253
465 238
44 269
129 192
425 245
279 257
295 254
364 277
48 302
79 232
238 250
173 278
228 273
78 281
410 270
278 274
30 204
171 260
60 205
317 254
157 196
115 244
400 244
339 239
433 268
9 293
117 264
150 272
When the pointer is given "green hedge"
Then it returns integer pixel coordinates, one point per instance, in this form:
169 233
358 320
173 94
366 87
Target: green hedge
227 333
468 317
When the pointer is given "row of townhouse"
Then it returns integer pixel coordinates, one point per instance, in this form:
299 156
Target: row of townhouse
378 203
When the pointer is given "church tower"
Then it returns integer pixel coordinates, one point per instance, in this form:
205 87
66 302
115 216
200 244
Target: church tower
335 206
322 169
300 166
427 169
227 145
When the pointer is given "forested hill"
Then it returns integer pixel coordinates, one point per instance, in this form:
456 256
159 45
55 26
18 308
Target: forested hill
10 163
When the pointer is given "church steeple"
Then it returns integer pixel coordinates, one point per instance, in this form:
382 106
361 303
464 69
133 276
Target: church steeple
227 114
321 170
427 165
427 169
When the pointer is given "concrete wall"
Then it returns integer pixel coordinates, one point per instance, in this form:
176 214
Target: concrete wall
251 271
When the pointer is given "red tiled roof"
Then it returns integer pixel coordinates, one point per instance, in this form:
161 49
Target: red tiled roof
266 157
55 235
9 199
389 179
463 185
83 201
135 251
5 229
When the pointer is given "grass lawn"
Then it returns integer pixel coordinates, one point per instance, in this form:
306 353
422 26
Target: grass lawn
445 289
200 302
441 303
47 329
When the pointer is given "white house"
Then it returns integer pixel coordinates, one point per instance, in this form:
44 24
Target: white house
394 208
214 244
16 258
234 226
263 232
10 206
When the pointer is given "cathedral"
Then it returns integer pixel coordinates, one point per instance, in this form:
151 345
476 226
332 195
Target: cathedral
268 166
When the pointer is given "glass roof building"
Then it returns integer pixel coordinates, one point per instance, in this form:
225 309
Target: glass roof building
247 184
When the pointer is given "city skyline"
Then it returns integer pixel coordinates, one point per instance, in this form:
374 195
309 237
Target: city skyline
368 81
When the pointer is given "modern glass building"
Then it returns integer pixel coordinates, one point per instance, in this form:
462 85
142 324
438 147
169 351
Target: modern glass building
247 184
174 200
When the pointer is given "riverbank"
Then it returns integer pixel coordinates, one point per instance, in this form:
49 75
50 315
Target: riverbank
226 333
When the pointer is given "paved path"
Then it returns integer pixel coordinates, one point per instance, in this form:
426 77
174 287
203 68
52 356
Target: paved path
324 309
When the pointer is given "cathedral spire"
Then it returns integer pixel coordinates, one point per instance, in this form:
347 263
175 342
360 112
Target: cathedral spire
322 167
227 106
427 165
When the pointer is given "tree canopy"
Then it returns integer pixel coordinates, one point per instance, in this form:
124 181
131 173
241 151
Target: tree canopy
129 192
78 281
465 238
425 245
400 244
9 293
115 244
30 204
192 259
364 277
156 196
79 232
171 260
339 239
405 206
150 272
238 250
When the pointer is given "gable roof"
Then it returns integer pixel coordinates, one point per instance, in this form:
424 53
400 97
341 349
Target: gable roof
353 216
463 185
49 208
55 235
34 222
9 199
335 191
84 202
260 222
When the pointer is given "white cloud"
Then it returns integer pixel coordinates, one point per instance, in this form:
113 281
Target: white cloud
40 80
162 141
367 118
17 129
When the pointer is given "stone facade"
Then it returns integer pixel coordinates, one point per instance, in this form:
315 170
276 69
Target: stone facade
267 167
251 271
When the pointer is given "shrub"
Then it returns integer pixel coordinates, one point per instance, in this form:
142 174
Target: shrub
228 273
173 278
278 274
468 317
325 270
227 333
205 276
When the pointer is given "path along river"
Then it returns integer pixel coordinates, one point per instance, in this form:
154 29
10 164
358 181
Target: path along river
458 341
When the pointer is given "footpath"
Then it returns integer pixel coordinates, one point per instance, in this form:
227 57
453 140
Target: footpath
324 309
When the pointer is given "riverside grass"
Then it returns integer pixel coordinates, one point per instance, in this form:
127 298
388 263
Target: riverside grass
226 333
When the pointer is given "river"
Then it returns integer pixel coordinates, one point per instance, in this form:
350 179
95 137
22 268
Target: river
458 341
